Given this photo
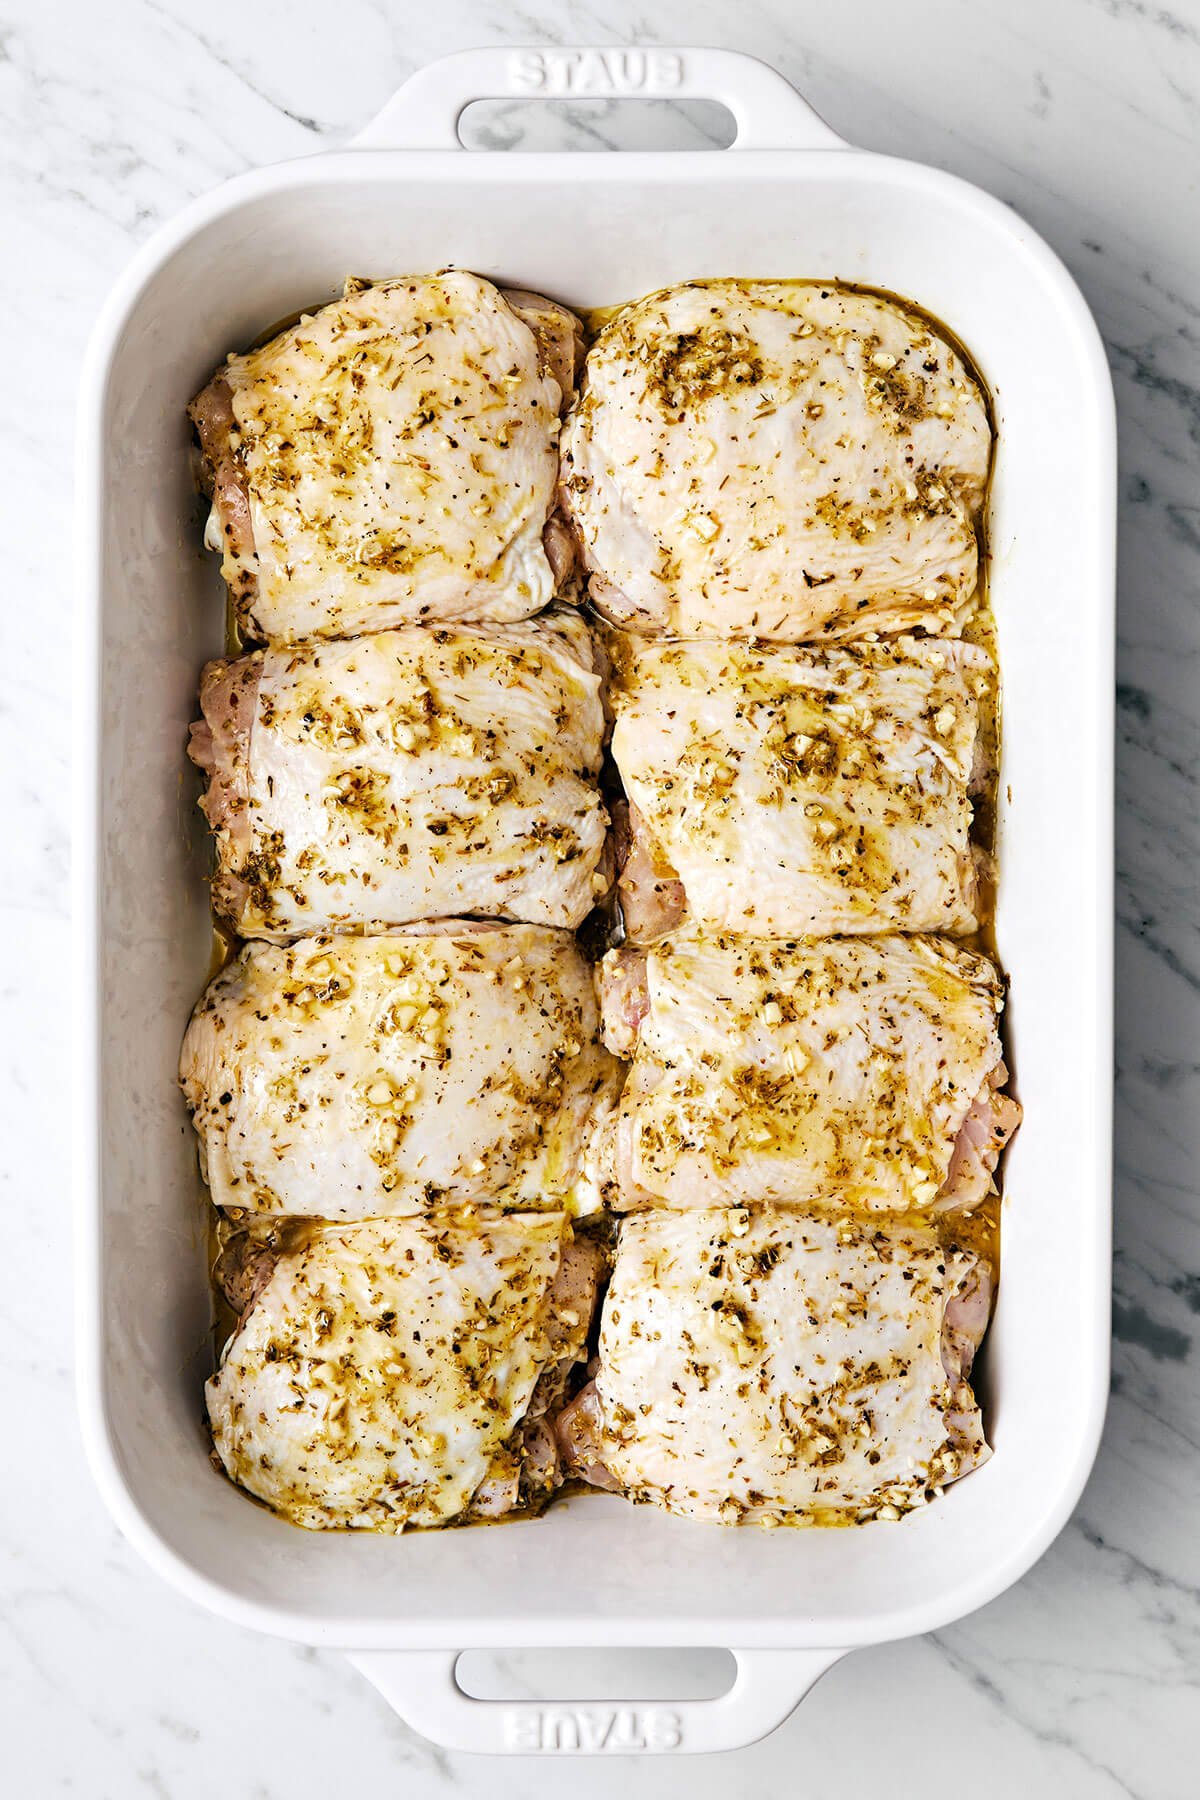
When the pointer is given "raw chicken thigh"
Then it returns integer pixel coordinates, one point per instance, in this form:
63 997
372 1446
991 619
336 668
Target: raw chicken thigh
413 774
799 791
770 1367
392 458
355 1077
852 1075
776 459
405 1372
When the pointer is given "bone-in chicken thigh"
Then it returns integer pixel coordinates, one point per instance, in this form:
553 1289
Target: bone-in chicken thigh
853 1075
760 1366
392 458
413 774
403 1372
360 1077
800 791
783 460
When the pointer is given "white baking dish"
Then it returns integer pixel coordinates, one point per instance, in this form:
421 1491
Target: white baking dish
789 200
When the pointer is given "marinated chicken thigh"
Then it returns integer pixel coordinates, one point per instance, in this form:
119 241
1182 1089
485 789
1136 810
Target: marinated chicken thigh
776 459
403 1372
356 1077
799 791
413 774
392 458
851 1075
771 1367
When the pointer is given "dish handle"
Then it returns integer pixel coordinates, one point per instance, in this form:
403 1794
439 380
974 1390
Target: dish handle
422 1687
769 114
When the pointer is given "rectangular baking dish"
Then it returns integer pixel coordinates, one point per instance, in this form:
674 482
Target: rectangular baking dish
789 199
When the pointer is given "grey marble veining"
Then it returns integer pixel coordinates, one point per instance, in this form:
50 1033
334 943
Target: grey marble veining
1085 116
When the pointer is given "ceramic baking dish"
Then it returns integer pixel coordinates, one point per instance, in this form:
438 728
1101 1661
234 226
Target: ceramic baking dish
789 199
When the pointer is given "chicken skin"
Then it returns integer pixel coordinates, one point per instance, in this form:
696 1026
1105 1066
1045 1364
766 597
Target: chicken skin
777 460
771 1368
412 774
438 1066
794 791
853 1075
391 459
406 1372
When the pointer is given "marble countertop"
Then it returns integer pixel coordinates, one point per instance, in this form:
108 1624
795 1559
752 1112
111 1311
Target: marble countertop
1085 116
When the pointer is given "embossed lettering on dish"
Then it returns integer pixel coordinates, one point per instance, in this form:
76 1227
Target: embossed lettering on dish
572 1730
595 71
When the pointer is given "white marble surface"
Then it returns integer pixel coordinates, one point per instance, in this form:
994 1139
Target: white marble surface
1085 115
